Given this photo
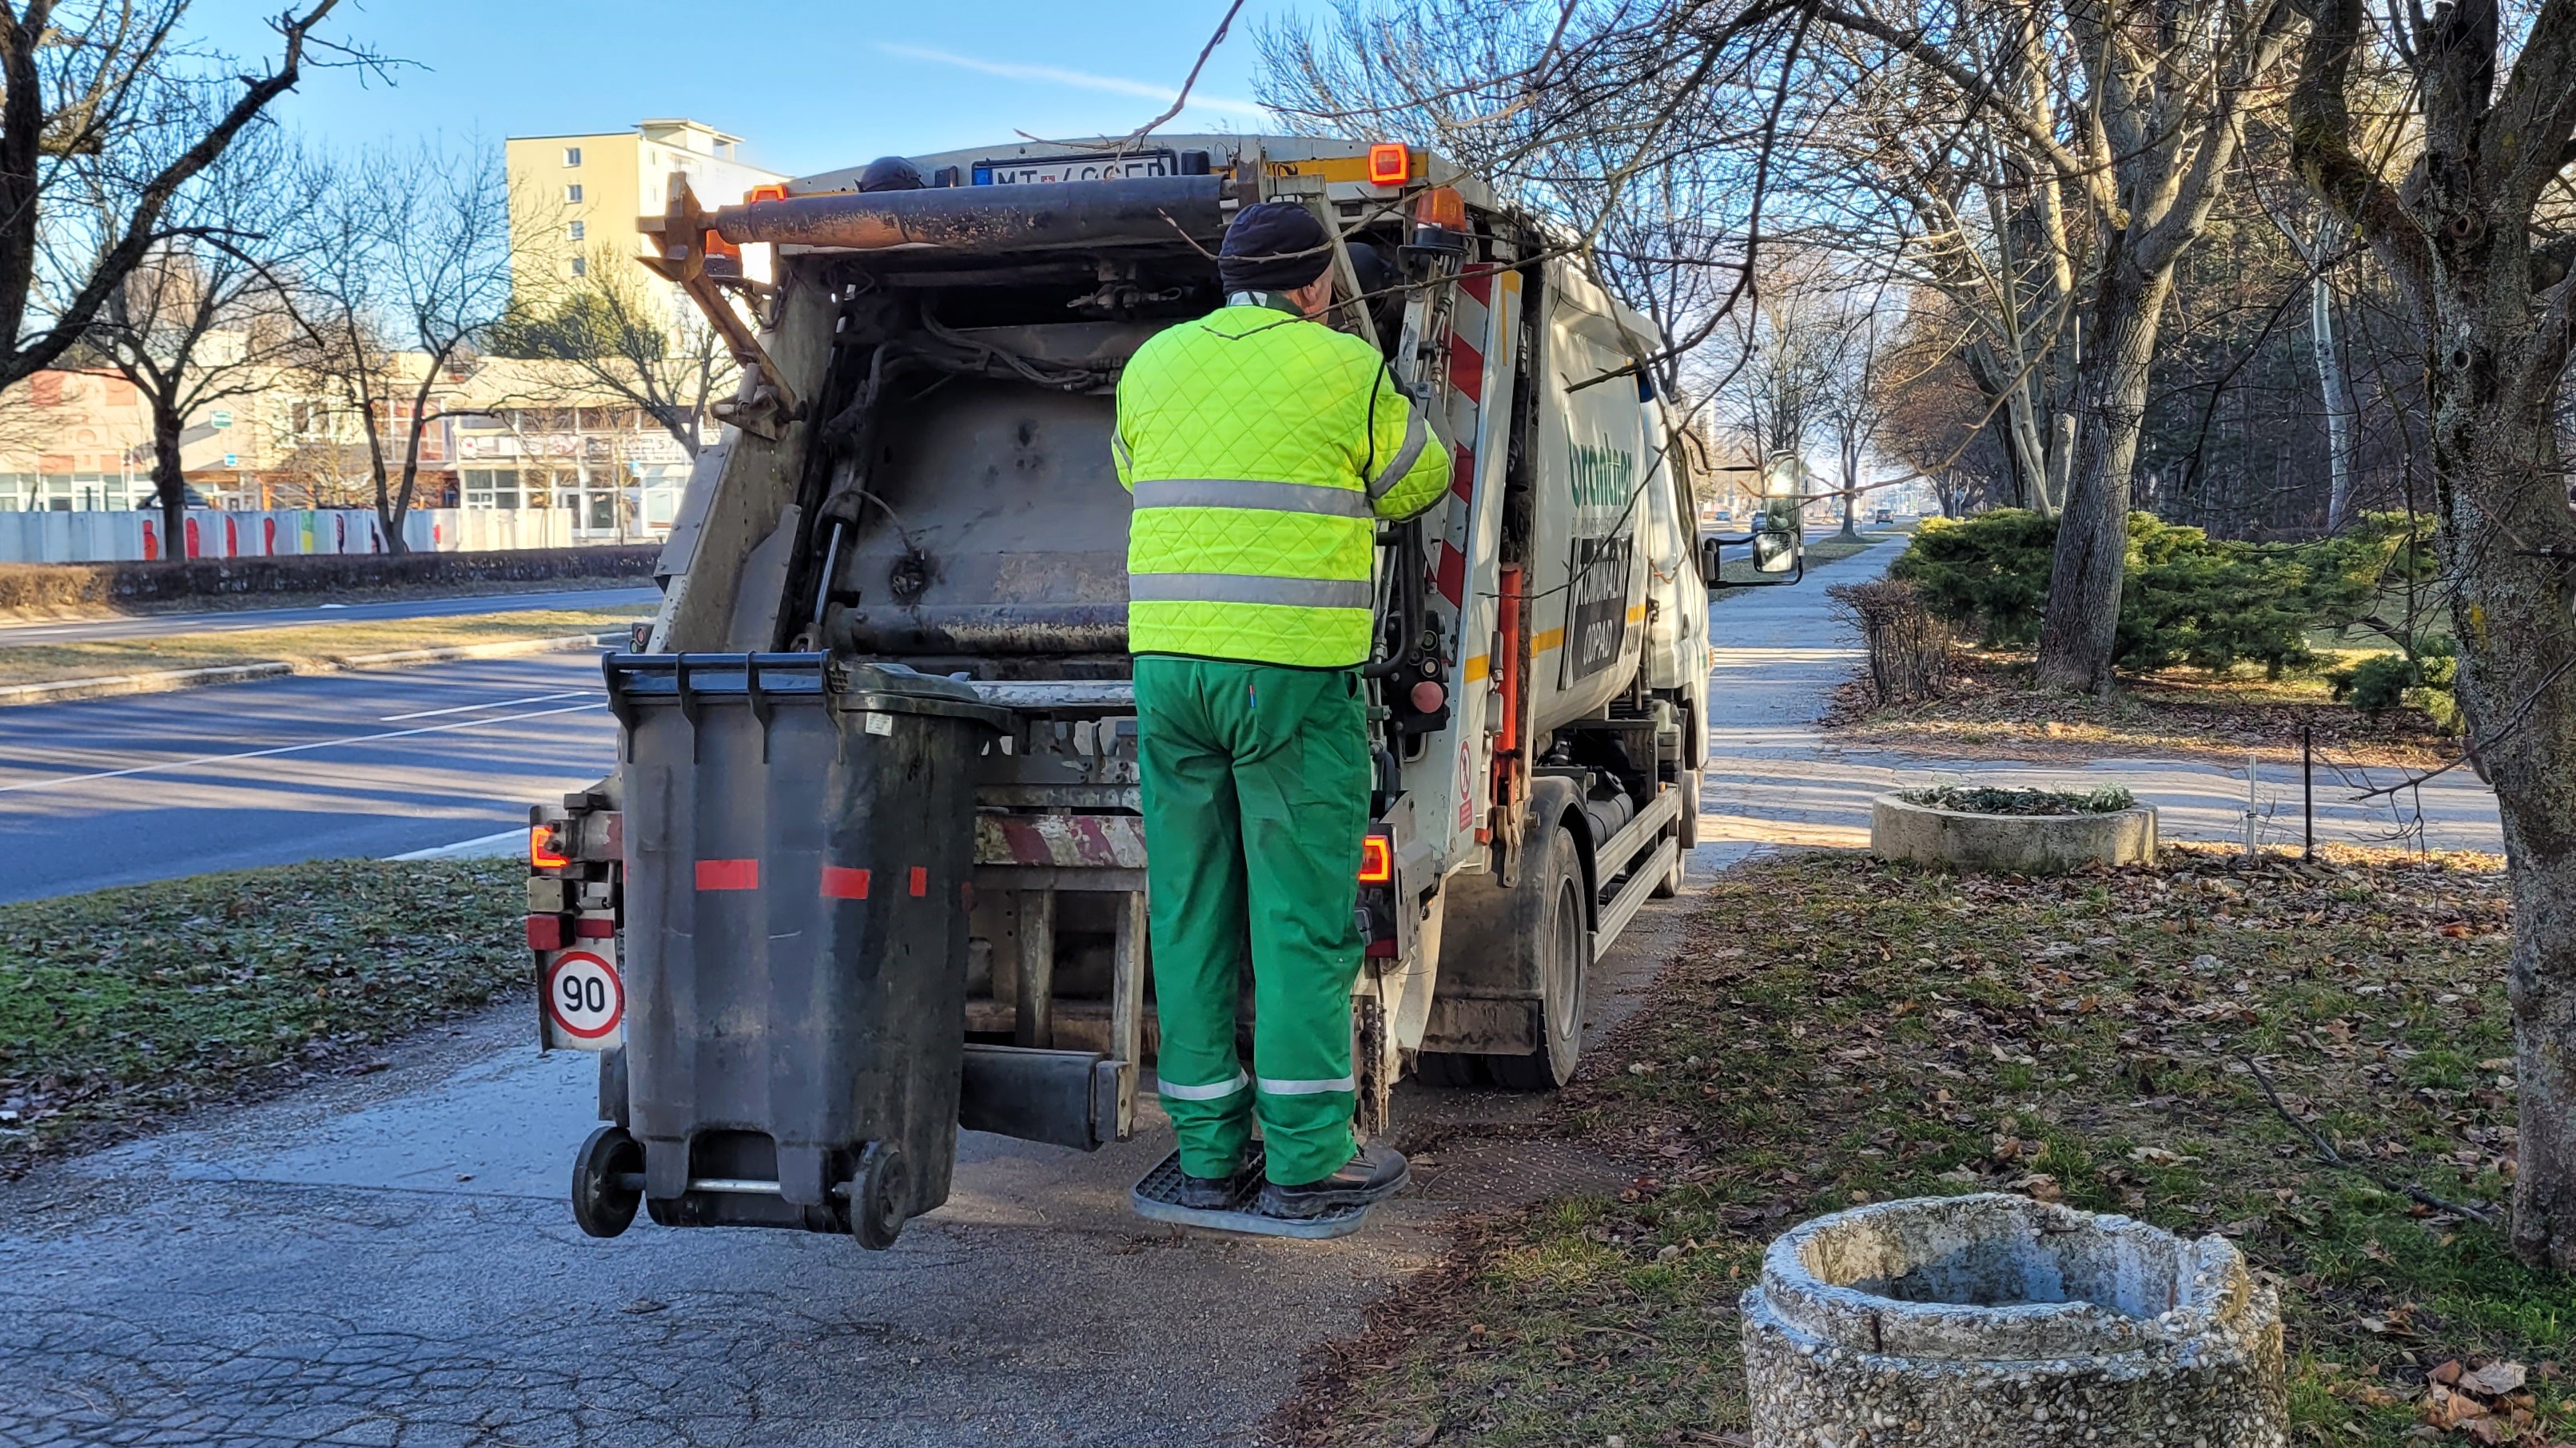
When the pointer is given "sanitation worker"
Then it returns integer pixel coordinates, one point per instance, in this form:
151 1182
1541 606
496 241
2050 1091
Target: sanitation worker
1261 446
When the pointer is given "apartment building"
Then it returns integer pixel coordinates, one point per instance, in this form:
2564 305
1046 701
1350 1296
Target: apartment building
574 199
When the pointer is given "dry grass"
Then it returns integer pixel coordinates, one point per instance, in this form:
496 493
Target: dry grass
1840 1030
314 644
121 1008
1991 712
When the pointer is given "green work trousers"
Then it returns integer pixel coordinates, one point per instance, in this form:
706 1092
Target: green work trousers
1256 798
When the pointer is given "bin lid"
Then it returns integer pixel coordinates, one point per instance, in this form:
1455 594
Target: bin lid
887 687
768 680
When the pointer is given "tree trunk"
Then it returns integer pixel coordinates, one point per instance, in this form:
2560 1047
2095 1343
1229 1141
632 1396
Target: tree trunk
169 481
2334 386
2498 476
1851 495
2080 625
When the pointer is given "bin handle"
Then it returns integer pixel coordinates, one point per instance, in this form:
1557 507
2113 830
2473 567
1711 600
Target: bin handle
761 708
688 702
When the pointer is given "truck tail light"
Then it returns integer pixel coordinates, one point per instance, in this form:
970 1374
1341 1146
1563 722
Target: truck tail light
1377 860
546 848
545 932
1390 164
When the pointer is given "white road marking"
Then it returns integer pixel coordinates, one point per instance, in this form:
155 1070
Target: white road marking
495 704
290 749
507 842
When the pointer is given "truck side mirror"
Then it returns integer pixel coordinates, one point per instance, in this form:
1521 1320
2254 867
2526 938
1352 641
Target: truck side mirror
1711 564
1775 551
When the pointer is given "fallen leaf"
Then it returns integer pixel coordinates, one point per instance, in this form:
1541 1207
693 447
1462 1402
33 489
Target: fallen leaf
2495 1380
2040 1186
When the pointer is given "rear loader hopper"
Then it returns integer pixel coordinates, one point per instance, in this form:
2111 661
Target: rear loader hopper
871 868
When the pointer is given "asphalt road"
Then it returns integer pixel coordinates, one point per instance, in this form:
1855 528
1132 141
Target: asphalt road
161 625
103 792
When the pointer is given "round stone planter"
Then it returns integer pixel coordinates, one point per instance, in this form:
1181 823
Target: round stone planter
2010 844
1996 1321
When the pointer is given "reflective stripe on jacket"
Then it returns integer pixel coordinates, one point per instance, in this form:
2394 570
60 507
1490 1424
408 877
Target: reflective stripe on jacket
1260 447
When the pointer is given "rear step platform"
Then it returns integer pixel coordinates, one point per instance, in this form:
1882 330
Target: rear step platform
1158 1199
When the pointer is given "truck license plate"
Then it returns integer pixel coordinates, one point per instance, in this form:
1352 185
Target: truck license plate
1077 168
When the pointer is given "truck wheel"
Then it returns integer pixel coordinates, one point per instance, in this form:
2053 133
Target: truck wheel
601 1205
1564 946
1671 884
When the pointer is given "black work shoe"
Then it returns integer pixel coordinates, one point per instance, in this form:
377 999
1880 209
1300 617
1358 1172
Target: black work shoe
1214 1194
1378 1172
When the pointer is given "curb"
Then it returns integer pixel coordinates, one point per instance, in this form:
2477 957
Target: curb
61 690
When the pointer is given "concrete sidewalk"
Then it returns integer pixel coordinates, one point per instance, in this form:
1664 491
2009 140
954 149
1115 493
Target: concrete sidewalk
1776 777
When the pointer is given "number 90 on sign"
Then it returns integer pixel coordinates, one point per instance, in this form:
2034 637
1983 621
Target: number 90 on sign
585 1001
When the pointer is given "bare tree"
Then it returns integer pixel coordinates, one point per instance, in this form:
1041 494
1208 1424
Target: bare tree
1851 408
630 335
1951 199
408 265
200 319
99 90
2471 212
2147 132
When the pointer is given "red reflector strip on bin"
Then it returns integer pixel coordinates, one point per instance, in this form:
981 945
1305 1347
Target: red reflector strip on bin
842 883
920 882
545 932
728 874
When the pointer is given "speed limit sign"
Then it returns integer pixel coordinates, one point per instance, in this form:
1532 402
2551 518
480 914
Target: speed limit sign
584 999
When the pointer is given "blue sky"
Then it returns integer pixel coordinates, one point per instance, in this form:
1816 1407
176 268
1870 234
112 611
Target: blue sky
809 85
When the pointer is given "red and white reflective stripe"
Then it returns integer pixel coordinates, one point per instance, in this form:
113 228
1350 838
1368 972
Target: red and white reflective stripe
842 883
1470 321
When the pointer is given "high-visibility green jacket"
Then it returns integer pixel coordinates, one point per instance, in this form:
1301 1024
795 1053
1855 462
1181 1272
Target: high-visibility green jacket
1260 447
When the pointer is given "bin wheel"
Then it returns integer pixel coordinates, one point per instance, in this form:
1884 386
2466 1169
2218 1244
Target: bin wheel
600 1206
877 1195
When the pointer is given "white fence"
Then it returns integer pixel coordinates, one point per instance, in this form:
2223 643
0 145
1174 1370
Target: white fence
102 536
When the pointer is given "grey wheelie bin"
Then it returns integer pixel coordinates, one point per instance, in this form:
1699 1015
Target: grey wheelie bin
799 844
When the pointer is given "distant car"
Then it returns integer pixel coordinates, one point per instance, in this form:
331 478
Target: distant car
196 499
1885 515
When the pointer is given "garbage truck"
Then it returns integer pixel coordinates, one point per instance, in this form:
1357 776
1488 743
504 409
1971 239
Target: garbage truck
870 867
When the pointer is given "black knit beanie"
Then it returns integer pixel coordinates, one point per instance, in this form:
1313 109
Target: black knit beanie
1275 246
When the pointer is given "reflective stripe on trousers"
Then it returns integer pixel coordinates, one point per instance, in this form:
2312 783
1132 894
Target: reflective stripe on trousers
1217 1092
1308 1088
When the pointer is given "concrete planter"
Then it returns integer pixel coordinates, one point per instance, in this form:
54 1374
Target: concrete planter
2010 844
1996 1321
